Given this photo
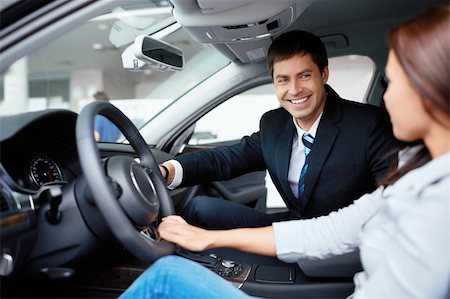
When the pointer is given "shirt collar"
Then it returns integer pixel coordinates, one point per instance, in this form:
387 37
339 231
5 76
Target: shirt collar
420 178
312 131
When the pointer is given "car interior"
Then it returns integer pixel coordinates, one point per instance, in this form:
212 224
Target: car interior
78 217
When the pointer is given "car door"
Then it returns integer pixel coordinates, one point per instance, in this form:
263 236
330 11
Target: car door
226 124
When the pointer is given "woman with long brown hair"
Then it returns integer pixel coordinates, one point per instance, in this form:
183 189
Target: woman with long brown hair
401 229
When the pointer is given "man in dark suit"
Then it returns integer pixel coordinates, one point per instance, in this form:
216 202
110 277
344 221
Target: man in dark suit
322 152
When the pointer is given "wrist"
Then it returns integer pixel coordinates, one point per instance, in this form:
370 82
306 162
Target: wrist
166 171
211 239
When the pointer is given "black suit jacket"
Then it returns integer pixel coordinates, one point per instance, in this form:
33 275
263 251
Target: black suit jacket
353 149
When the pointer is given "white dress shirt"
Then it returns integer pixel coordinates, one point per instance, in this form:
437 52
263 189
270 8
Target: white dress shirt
402 232
298 154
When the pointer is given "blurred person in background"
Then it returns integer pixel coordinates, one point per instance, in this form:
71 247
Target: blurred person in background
104 130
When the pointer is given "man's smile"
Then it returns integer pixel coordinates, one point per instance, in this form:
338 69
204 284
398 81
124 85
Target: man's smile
299 100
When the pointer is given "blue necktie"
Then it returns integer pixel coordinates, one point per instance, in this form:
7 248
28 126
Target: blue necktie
308 141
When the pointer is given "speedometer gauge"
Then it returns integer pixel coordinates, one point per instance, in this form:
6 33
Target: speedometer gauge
44 170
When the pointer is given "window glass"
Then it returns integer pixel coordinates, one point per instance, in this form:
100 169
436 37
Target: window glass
66 72
350 76
235 117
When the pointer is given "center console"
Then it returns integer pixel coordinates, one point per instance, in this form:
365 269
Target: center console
272 281
232 271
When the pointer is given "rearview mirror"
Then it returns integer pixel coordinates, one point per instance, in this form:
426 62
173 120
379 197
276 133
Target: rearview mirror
158 54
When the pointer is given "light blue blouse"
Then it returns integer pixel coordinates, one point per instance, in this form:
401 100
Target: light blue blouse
403 232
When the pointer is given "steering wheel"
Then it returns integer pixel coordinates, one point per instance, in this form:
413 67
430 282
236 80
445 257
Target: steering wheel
130 195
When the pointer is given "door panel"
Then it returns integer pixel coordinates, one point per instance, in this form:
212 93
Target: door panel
248 189
226 124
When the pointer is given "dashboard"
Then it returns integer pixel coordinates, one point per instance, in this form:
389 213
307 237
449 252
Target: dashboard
48 217
41 223
41 150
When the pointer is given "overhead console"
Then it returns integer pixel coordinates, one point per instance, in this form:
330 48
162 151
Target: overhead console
247 37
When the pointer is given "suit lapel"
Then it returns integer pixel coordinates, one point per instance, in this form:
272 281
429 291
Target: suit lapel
283 157
325 137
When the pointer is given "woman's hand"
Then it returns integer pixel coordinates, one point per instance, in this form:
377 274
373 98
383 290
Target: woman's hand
176 230
258 240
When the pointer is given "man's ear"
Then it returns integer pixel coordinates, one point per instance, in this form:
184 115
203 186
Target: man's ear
325 74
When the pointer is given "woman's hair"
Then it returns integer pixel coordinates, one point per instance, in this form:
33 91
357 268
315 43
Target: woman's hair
422 47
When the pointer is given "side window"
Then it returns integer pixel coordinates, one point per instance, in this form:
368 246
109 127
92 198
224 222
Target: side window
236 117
350 76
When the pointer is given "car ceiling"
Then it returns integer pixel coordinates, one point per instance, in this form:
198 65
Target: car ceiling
346 26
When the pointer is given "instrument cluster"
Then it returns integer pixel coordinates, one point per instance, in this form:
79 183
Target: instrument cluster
44 170
32 167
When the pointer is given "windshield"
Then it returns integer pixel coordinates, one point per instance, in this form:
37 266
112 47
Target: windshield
67 72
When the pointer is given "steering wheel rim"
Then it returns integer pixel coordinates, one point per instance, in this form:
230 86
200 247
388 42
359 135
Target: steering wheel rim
115 213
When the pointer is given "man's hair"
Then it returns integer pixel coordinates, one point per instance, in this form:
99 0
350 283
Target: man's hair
297 42
101 96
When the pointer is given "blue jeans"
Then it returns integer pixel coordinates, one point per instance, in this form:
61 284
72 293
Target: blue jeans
176 277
